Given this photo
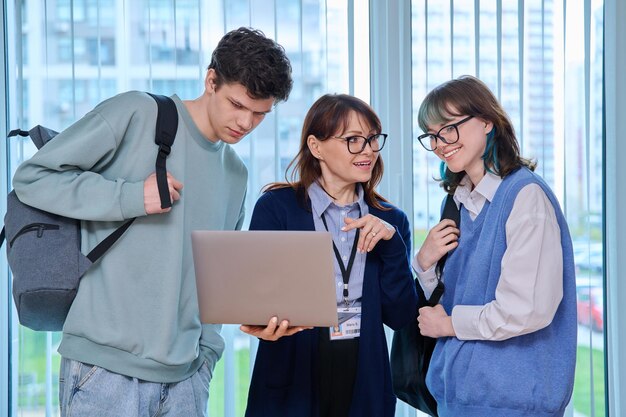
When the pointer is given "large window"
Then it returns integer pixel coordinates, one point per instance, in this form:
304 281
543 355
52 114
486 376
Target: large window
543 59
70 55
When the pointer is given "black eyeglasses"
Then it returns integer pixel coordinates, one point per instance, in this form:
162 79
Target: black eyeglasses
357 143
448 134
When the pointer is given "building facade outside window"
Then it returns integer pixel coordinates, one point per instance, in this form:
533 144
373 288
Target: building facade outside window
70 55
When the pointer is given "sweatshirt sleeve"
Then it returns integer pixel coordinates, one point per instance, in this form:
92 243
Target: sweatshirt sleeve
64 177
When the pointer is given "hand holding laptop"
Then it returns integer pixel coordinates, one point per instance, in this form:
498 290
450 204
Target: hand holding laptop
273 331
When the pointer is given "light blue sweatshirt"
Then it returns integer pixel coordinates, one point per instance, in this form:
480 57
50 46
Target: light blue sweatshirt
136 311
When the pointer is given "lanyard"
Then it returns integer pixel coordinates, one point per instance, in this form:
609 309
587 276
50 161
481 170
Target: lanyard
345 271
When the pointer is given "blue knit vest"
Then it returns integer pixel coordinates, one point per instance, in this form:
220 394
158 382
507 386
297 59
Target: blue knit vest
528 375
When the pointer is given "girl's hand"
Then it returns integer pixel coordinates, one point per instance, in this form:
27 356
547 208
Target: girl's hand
373 230
440 240
434 322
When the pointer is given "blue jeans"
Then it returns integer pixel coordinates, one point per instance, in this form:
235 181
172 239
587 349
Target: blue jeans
90 391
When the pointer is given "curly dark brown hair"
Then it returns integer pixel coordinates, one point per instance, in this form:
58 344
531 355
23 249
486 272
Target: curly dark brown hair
248 57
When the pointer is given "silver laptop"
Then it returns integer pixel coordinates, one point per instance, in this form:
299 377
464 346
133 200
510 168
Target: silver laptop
249 277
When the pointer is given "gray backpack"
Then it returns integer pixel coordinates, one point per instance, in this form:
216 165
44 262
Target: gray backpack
43 249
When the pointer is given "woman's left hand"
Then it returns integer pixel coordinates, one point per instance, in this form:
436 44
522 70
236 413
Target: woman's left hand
373 230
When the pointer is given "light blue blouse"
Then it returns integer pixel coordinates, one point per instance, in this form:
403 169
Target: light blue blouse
322 203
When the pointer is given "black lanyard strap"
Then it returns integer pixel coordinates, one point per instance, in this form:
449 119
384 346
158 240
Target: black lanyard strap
345 271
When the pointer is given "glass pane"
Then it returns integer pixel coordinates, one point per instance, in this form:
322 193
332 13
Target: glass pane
38 373
77 53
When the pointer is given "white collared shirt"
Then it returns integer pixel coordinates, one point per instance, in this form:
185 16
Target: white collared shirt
531 281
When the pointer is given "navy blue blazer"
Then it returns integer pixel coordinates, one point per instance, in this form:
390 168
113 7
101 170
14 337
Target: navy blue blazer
284 381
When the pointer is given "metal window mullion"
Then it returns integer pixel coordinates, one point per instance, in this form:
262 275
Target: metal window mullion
14 354
587 32
325 41
227 331
350 17
391 74
477 36
7 397
175 40
300 37
451 38
252 142
253 181
73 49
426 41
499 48
99 53
614 228
19 56
543 85
122 52
427 87
48 376
201 63
565 142
224 15
277 173
150 75
229 370
521 57
587 75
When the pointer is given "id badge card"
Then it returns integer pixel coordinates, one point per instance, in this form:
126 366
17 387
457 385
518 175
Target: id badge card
349 324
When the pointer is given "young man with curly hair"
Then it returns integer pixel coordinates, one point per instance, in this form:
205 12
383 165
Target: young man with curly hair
133 344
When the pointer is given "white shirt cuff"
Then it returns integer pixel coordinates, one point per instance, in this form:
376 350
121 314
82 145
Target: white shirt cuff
427 279
465 322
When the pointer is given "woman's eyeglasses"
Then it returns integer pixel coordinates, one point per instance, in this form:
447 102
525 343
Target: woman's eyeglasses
448 134
357 143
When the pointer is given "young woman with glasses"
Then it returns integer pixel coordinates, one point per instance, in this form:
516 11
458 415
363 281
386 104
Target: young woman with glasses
320 372
507 320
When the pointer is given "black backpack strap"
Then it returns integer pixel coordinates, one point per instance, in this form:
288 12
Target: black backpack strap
109 241
16 132
166 126
450 211
39 135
